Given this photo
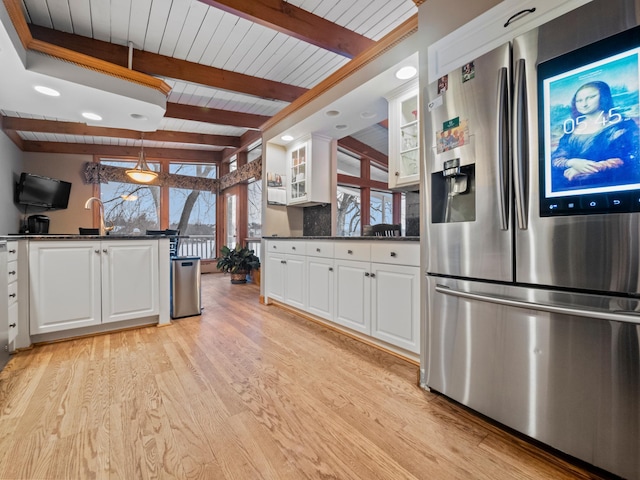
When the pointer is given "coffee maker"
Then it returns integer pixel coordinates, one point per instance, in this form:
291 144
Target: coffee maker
37 224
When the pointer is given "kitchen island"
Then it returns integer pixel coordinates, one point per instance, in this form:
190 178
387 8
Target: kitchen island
366 287
76 285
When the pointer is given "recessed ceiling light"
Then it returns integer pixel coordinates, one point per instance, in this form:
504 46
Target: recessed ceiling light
91 116
46 91
332 113
137 116
286 138
368 114
406 73
341 127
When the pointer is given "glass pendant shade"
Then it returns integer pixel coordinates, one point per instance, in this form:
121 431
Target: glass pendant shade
141 172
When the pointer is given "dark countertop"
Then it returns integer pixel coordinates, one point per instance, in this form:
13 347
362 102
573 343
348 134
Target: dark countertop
54 236
367 238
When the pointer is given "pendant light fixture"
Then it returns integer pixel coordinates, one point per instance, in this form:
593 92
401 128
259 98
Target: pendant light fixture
141 172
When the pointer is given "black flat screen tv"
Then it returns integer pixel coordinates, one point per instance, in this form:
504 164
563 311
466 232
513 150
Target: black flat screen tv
39 191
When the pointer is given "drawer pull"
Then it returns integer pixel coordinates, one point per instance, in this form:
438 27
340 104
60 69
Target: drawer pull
318 250
12 295
12 272
283 261
331 269
373 275
393 254
293 248
104 250
350 252
97 251
275 246
12 325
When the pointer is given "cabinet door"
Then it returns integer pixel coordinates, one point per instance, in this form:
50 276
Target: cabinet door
274 276
298 172
404 134
129 279
294 281
64 281
353 295
320 287
395 302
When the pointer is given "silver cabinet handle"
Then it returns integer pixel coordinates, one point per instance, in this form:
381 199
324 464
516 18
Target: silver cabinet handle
97 251
104 250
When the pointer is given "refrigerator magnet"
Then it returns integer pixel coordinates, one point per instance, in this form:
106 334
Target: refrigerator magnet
443 84
468 72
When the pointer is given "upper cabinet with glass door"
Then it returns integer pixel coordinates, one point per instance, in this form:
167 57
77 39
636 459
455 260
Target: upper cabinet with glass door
404 130
308 163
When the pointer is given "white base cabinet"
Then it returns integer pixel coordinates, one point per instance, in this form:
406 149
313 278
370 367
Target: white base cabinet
75 284
369 287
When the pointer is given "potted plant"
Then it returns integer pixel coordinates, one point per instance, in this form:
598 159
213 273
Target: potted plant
238 262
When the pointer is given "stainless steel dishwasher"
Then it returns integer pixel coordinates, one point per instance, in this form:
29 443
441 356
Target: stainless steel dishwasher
186 298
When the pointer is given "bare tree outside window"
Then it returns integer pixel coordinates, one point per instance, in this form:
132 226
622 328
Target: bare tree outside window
254 213
348 212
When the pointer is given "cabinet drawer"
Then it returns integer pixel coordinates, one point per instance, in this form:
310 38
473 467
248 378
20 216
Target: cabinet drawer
320 249
13 292
12 271
360 251
12 251
286 246
396 253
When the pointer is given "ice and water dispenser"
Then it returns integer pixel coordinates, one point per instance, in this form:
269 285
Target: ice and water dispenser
453 191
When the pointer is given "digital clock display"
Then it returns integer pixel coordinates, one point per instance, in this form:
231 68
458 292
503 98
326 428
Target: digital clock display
589 116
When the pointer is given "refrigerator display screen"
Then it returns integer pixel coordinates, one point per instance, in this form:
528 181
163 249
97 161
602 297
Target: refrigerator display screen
589 114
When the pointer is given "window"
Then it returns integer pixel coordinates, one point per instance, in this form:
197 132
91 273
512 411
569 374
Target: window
348 212
254 151
233 163
254 209
381 208
130 208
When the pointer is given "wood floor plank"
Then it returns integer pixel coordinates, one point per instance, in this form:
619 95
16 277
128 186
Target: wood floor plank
244 391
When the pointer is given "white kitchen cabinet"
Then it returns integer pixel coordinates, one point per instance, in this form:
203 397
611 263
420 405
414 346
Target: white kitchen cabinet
12 283
320 279
493 28
286 272
129 280
76 284
404 135
395 300
353 295
307 162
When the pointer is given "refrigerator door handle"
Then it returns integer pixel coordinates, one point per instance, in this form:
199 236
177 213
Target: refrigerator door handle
618 316
520 143
502 141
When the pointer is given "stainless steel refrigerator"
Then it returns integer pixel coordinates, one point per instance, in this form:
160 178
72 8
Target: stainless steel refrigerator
533 235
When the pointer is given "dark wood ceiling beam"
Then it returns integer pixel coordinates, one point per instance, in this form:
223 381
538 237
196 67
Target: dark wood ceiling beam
73 128
161 65
297 22
118 151
364 150
212 115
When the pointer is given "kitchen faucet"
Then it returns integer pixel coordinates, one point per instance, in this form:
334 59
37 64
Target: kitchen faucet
87 205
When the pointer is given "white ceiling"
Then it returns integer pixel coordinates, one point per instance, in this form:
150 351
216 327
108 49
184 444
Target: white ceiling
193 31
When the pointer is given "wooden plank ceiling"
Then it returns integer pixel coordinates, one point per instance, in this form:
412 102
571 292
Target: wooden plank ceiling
231 64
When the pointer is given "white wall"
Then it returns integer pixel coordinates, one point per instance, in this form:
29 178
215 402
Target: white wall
68 168
10 168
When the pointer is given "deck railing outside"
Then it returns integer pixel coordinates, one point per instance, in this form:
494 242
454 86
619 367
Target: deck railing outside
203 246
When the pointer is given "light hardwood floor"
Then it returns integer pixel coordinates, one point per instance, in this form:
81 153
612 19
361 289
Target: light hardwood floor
245 391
